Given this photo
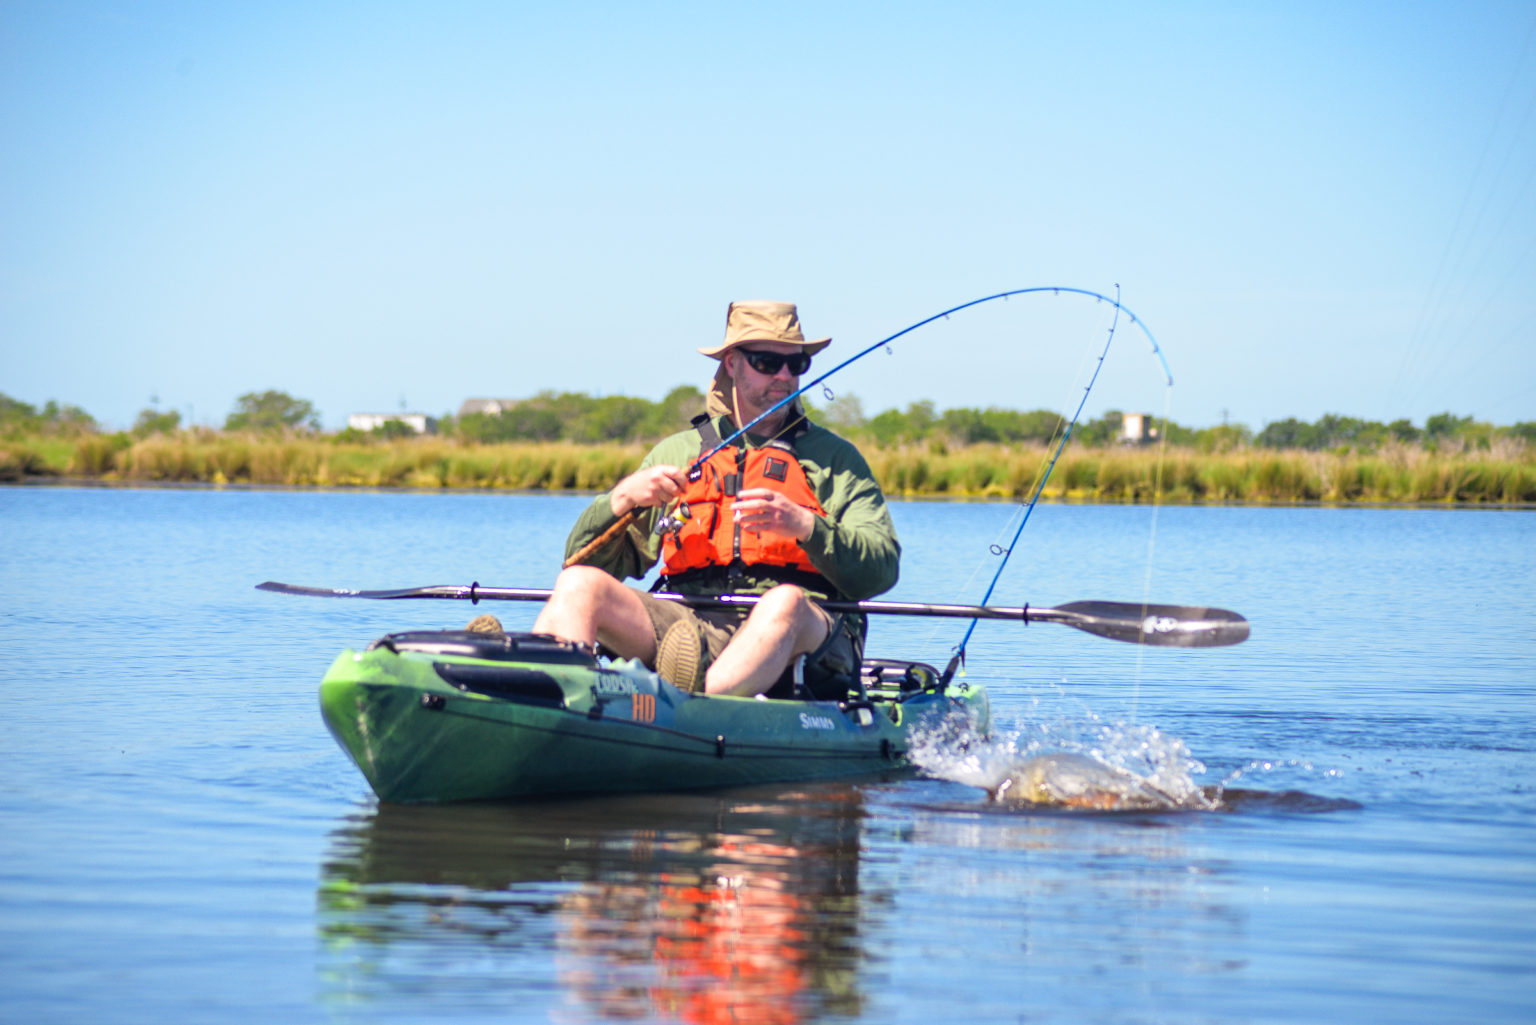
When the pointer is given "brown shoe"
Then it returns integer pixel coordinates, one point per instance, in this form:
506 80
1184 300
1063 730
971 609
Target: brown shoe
680 657
485 624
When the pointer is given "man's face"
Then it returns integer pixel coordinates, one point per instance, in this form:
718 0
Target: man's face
755 390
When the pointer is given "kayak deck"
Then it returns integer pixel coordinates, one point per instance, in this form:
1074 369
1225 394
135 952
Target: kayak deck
453 716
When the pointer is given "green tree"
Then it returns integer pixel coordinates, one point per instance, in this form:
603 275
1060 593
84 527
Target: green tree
1445 426
968 426
612 418
672 413
1221 438
63 418
1287 433
272 411
1044 424
152 421
17 417
1335 431
533 419
1100 431
844 413
895 427
391 430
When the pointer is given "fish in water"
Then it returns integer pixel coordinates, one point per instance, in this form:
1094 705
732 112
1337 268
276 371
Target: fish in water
1077 781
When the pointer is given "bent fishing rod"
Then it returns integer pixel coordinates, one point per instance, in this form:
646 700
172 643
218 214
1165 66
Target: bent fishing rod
695 468
1164 626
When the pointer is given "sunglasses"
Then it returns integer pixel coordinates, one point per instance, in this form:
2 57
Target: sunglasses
768 363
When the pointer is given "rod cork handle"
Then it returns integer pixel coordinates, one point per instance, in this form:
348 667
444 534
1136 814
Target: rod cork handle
602 540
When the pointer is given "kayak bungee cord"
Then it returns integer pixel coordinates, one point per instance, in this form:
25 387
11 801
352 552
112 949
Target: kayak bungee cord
696 467
958 659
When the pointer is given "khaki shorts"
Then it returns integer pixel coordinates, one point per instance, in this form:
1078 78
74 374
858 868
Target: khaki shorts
829 670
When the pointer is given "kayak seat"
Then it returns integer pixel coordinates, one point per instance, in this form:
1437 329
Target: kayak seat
890 679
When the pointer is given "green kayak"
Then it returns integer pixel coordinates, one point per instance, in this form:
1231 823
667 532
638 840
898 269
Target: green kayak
456 716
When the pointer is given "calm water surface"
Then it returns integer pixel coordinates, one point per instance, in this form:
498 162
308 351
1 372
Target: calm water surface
180 839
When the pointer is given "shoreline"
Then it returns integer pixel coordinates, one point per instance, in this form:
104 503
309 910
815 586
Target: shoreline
1397 476
110 484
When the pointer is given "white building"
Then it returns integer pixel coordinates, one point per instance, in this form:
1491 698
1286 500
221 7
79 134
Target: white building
418 422
1136 429
492 407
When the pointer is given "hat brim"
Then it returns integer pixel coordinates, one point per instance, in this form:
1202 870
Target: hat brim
810 348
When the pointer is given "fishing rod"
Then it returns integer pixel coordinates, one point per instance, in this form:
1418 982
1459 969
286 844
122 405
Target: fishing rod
958 659
1055 289
695 468
1169 626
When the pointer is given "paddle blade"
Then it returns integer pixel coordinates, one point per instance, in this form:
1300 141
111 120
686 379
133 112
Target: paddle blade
1168 626
439 591
455 592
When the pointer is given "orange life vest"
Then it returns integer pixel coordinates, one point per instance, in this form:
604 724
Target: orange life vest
706 534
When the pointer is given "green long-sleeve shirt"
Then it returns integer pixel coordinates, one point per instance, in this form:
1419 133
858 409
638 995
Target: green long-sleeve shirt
854 545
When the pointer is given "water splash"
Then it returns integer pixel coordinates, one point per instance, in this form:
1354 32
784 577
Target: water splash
1083 763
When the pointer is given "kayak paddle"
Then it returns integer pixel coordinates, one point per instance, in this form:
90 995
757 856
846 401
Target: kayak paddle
1167 626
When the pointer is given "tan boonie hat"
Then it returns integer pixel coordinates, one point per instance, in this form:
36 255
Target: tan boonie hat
761 321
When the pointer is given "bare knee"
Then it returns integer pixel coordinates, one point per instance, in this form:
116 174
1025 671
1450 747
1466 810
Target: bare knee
587 605
581 580
785 604
788 612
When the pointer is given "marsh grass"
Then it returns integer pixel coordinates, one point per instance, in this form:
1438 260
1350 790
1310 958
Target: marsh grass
45 456
410 463
1392 475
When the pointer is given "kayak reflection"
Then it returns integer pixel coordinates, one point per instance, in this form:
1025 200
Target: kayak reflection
734 906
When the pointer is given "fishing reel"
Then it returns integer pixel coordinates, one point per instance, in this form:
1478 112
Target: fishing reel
671 521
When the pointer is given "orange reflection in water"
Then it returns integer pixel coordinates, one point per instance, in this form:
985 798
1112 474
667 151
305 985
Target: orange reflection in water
753 935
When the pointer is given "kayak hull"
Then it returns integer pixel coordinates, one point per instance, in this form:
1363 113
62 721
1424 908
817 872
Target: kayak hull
448 716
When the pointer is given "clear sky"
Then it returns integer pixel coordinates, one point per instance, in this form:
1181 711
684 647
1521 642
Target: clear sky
1315 207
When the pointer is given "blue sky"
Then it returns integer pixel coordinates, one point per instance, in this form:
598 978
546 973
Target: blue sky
1314 207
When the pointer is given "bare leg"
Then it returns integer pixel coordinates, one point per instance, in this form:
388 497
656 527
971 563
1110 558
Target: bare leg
785 623
587 605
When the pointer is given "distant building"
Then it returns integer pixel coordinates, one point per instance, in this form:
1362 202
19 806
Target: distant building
418 422
492 407
1136 429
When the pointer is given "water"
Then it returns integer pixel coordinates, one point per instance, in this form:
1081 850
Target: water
181 840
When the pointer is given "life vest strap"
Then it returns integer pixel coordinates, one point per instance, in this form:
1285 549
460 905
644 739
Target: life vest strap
705 425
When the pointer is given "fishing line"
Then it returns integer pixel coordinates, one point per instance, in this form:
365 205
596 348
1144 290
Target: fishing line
1041 470
1119 308
1066 435
886 341
1157 502
695 469
1006 536
1457 243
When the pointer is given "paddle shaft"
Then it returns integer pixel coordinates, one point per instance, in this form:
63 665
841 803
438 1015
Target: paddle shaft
477 593
1161 625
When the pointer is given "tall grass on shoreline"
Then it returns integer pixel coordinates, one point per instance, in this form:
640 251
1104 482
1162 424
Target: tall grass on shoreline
1392 475
1397 475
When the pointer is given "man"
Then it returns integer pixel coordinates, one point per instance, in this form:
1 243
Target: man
789 512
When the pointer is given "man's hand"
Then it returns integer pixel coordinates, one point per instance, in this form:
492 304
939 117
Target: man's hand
766 511
653 485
